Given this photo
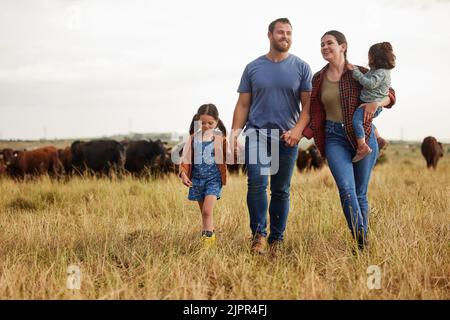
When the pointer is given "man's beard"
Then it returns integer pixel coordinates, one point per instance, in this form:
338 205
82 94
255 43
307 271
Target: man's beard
277 46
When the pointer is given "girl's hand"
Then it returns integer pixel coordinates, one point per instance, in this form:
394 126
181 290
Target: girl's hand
185 179
350 66
369 110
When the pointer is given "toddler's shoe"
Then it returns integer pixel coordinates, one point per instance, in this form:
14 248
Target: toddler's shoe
382 143
258 244
361 152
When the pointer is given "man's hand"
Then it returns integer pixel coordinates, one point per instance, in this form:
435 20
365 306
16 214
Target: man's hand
292 137
369 110
185 179
234 144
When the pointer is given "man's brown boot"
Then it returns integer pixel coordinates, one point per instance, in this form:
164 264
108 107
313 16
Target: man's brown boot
258 244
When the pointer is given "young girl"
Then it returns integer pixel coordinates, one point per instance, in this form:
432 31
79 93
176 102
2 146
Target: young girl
203 165
376 83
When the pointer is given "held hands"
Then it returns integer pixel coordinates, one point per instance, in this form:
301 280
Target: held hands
185 180
369 110
292 137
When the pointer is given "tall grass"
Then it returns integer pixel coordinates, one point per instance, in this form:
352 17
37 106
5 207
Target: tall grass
135 239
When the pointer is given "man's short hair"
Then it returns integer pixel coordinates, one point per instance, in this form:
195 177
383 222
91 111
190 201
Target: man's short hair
281 20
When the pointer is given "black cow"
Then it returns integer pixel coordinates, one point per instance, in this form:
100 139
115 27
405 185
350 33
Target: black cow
165 165
7 155
175 154
98 155
143 154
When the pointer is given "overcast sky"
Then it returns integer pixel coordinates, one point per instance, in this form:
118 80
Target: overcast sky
84 68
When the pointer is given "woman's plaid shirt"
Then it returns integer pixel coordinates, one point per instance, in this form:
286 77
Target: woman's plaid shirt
350 90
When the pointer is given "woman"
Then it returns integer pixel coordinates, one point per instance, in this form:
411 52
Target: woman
334 99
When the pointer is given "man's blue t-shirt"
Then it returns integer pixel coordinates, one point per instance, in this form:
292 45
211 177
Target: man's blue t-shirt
275 89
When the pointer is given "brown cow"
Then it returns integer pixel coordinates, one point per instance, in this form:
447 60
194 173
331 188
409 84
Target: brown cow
431 150
35 162
317 161
309 158
303 160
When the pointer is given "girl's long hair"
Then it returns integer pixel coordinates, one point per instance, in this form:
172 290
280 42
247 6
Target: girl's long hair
210 110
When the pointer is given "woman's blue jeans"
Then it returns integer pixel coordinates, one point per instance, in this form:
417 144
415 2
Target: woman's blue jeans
279 187
352 179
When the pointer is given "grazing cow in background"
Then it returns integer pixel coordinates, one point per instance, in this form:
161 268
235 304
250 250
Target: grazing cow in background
432 150
100 156
7 155
309 158
175 155
34 162
317 161
65 156
165 164
143 154
303 160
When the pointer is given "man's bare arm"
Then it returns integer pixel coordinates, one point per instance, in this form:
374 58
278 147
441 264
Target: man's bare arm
241 112
240 117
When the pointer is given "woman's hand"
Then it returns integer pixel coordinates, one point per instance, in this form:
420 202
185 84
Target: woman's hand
292 137
350 66
185 179
369 110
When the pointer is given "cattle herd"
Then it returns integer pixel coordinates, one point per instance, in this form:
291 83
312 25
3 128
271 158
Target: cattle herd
102 157
138 158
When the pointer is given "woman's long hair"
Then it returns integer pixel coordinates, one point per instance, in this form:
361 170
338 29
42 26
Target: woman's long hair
340 38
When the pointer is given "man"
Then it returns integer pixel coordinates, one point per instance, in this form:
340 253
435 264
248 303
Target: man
270 90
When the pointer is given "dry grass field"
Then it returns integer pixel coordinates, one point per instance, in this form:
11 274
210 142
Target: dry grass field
139 239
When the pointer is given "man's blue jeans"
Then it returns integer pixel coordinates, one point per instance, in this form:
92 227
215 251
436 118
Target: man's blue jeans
358 121
352 179
279 187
